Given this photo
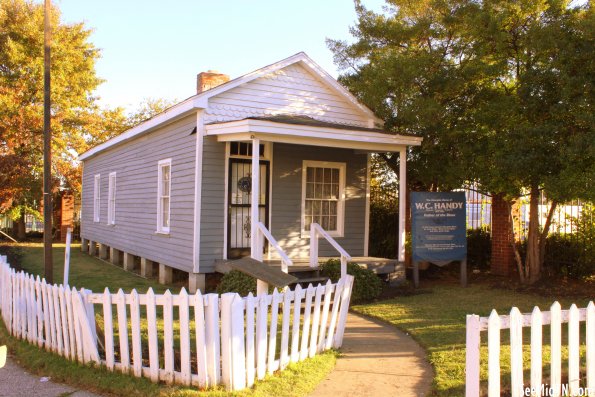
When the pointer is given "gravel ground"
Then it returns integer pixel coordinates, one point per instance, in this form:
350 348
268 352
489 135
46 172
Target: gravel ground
16 382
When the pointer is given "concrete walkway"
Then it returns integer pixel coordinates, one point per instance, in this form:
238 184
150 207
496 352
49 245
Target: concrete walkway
16 382
378 360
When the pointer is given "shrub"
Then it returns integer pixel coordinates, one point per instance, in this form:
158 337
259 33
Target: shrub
569 255
14 255
366 285
236 281
384 220
479 248
573 254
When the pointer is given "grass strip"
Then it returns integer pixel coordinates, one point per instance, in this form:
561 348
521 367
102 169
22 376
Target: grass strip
297 380
436 319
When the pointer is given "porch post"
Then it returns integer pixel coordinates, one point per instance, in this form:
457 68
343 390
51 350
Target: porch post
254 198
255 247
402 202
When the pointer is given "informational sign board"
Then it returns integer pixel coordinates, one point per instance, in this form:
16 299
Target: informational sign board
439 230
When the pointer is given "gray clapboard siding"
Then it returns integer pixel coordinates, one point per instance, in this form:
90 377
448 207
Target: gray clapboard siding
287 196
286 174
213 204
135 163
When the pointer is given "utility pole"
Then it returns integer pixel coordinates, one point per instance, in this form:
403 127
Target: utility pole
47 148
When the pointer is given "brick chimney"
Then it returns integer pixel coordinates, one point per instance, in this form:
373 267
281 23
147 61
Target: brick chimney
209 79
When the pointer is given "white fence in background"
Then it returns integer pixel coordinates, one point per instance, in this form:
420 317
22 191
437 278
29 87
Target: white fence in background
576 385
201 340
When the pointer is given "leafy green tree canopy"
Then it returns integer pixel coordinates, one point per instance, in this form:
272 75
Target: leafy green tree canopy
21 98
414 68
501 91
77 122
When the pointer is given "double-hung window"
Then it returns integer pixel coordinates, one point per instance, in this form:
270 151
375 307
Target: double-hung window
323 200
163 195
111 199
97 198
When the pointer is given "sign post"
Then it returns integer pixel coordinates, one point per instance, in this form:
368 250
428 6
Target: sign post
67 256
439 230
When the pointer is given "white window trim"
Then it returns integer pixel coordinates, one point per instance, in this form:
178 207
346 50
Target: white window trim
340 204
111 199
96 197
160 228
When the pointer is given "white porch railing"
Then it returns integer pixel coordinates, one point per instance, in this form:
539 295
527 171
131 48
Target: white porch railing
317 231
536 385
261 233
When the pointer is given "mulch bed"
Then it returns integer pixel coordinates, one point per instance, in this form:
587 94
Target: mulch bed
548 286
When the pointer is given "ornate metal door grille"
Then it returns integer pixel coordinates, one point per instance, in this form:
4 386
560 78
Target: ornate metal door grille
239 201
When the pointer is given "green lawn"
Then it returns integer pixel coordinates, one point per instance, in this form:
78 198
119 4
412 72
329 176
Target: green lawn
436 319
297 380
85 271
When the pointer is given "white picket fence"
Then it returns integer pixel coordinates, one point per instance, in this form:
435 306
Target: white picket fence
536 385
201 340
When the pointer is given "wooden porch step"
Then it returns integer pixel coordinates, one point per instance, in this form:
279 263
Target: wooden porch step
301 265
294 268
223 266
311 280
261 271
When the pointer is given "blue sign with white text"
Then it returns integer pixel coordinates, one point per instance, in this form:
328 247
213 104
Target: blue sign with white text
439 229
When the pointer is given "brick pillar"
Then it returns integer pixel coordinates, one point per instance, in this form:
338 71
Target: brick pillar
502 261
67 215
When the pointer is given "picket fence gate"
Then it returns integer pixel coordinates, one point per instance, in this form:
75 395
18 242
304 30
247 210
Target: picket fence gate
235 339
575 386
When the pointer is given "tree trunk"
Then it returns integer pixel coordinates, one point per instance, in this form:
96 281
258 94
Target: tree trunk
545 232
517 256
533 261
18 228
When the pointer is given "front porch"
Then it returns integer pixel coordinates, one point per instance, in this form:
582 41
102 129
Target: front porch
392 269
320 179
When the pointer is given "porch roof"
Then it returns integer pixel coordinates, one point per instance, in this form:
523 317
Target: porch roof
308 131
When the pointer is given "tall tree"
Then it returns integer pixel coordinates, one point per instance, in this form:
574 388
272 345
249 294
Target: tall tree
536 111
21 100
148 108
500 90
412 68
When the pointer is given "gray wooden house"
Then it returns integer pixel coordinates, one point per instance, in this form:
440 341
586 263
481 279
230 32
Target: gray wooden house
179 190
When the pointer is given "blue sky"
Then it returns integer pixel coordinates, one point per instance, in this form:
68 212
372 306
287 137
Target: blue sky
154 49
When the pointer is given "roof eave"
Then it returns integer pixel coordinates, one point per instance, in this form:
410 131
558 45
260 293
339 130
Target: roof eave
201 101
310 135
174 113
